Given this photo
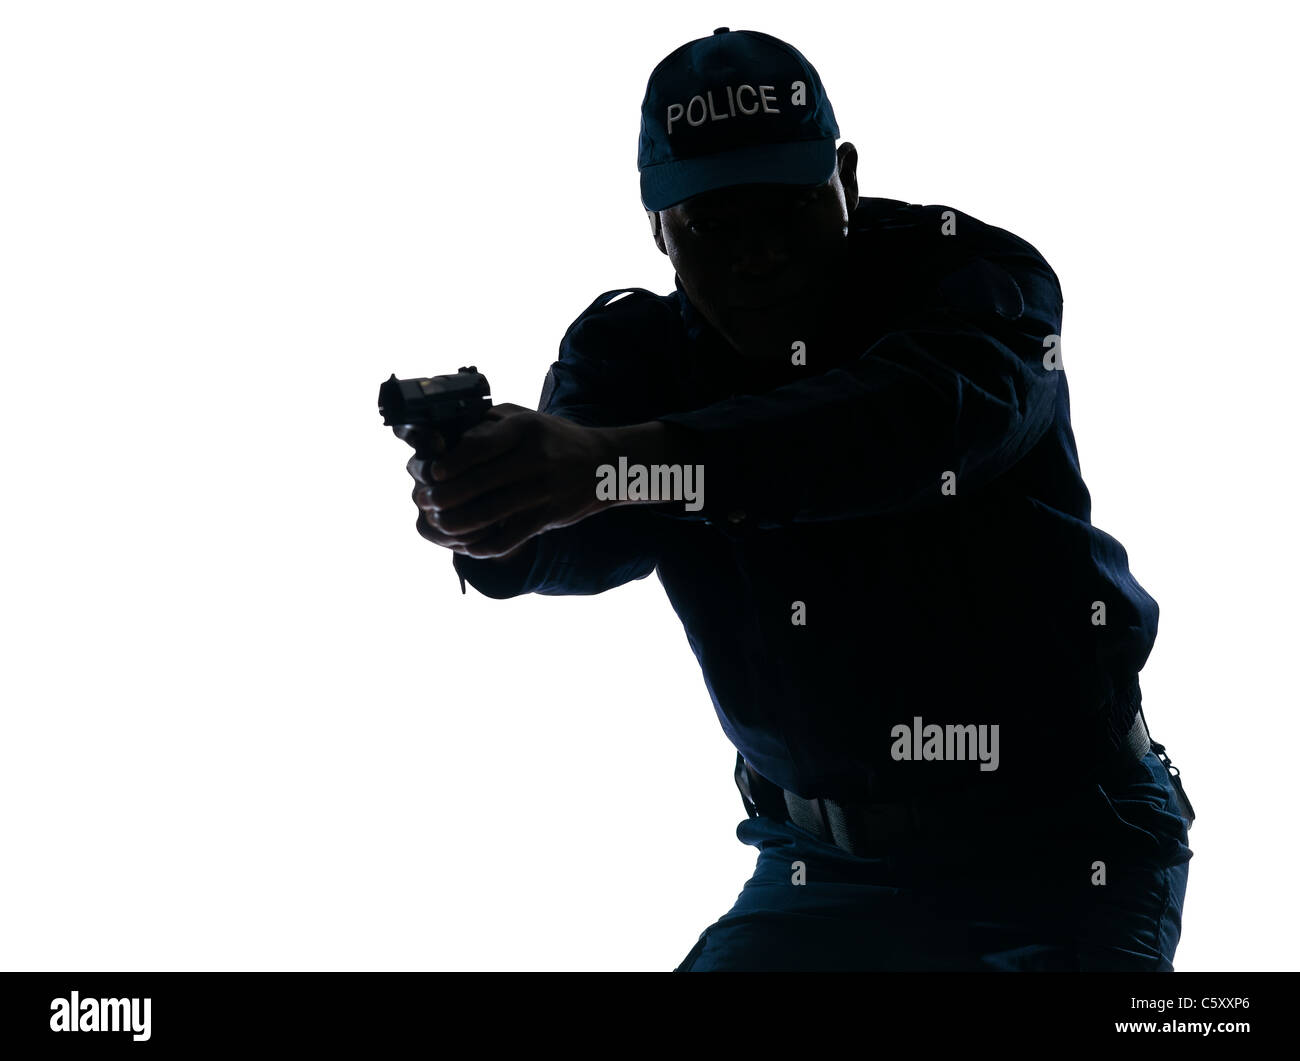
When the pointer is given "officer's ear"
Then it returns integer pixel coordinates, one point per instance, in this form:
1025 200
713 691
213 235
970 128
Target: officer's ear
847 167
656 229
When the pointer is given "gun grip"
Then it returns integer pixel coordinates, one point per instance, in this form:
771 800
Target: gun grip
427 442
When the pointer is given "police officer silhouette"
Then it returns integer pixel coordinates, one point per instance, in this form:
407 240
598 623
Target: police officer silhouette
923 651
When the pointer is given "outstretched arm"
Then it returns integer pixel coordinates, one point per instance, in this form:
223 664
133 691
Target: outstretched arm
520 489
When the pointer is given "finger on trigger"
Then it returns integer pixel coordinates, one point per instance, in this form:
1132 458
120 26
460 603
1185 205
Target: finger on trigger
480 444
415 466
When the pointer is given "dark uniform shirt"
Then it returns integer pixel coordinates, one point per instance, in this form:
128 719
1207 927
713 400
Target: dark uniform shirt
991 602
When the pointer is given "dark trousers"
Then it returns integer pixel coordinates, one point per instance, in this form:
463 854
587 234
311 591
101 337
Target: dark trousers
1087 878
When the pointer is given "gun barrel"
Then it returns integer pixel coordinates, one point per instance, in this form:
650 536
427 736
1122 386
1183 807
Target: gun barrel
449 404
431 398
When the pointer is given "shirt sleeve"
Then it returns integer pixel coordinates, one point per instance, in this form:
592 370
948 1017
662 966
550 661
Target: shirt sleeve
951 395
599 380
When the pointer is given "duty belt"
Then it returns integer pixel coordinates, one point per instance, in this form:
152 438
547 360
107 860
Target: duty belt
862 828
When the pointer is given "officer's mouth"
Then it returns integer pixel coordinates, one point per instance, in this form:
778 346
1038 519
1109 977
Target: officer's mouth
774 304
773 301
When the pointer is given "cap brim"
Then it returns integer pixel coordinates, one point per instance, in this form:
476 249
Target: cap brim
801 162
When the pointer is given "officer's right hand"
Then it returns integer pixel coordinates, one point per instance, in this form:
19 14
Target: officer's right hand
419 470
418 467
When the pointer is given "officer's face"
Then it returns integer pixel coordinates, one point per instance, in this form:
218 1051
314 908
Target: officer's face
757 259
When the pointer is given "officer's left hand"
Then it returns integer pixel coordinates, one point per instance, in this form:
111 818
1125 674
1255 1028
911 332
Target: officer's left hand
528 471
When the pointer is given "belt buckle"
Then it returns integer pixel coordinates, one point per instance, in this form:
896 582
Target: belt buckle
869 829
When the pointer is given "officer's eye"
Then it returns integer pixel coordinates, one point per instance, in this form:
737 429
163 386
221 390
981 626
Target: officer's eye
704 226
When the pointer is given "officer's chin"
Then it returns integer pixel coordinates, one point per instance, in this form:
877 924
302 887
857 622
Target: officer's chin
763 334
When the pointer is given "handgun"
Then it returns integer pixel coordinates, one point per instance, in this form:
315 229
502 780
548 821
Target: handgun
449 405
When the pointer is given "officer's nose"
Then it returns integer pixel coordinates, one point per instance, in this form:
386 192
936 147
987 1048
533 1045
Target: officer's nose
760 254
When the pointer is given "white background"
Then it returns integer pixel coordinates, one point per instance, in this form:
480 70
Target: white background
250 722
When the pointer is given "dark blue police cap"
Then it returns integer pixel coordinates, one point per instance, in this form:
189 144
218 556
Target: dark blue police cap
739 107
